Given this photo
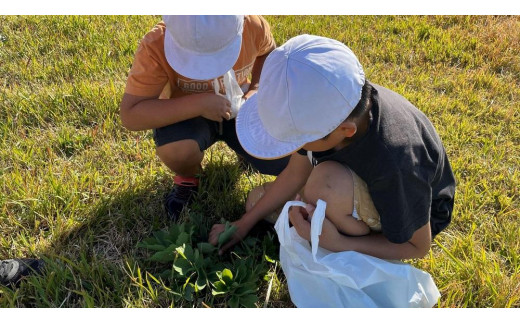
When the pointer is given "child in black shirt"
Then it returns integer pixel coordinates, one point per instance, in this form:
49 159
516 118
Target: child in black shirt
313 96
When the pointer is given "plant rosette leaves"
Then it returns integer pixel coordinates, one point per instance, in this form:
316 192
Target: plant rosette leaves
245 301
206 248
195 265
165 256
225 235
226 276
189 290
183 266
241 291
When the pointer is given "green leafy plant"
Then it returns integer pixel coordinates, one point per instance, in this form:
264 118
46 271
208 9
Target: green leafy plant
239 286
197 272
228 232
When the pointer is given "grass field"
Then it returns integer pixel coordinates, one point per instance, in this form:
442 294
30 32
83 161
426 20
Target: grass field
81 191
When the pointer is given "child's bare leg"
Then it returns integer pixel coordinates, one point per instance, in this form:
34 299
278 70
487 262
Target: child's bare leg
182 157
333 183
255 195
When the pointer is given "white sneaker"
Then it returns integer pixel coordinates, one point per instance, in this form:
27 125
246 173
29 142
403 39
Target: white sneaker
12 270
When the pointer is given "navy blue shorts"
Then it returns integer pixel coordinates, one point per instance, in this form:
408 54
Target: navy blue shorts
206 132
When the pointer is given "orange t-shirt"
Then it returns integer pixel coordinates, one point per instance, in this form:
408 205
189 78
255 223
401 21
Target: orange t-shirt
152 76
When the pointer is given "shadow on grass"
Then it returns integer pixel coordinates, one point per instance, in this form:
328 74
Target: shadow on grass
92 265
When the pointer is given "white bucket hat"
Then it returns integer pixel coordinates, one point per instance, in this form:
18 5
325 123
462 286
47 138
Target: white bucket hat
308 87
202 47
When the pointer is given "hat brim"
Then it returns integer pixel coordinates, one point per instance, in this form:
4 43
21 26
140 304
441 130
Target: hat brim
255 139
201 66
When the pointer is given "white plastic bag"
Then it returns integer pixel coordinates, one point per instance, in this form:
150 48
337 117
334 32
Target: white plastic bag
233 91
319 278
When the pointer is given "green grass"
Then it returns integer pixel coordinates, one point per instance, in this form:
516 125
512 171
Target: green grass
81 191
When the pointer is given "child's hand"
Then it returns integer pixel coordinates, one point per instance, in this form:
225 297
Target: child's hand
215 107
238 235
301 220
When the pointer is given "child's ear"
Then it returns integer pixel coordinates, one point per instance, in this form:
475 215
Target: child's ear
348 128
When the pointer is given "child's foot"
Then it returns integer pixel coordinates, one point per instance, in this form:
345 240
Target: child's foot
12 270
181 195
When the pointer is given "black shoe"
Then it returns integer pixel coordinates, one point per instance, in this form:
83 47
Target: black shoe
13 270
181 195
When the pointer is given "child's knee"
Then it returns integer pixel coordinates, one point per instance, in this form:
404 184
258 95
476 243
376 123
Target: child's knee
328 181
180 153
334 184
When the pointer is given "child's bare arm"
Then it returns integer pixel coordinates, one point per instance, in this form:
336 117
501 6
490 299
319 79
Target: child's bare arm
351 226
284 188
255 75
141 113
375 244
346 224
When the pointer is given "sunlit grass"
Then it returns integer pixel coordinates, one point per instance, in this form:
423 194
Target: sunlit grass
81 191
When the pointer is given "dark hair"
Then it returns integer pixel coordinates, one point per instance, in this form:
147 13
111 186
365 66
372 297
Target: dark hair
364 103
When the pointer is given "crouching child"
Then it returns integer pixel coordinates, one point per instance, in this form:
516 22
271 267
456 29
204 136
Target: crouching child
369 153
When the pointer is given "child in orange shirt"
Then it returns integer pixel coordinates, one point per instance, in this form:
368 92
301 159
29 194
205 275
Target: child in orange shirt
171 89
